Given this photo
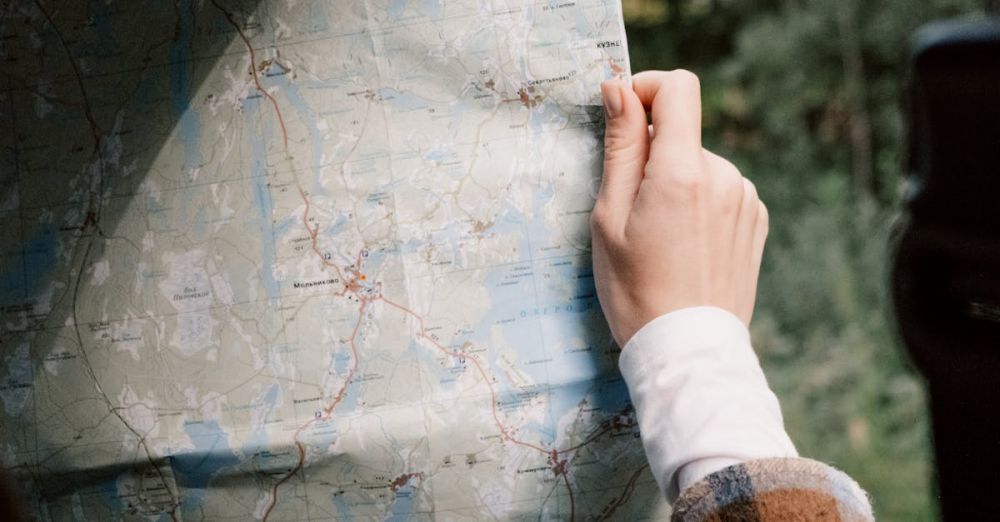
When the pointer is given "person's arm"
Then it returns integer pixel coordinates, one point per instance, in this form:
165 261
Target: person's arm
678 238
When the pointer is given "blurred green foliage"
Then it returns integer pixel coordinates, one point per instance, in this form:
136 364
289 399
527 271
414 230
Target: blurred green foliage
805 97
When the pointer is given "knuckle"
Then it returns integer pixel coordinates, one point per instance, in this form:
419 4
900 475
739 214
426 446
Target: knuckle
597 215
727 208
763 217
673 163
750 190
732 181
678 177
600 219
723 166
731 170
617 144
685 184
686 78
731 200
728 183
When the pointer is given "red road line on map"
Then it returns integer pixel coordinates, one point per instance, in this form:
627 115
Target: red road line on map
314 241
504 432
327 412
493 395
558 467
253 70
351 286
313 231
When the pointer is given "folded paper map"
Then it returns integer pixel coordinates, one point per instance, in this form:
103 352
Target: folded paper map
309 260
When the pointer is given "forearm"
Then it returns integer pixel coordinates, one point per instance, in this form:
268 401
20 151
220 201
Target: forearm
713 431
702 400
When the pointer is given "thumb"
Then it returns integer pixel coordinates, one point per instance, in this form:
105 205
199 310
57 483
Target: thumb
626 148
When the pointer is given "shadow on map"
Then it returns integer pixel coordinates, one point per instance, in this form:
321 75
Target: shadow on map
95 110
91 95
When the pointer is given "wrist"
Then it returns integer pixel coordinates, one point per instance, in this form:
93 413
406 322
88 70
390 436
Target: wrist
639 324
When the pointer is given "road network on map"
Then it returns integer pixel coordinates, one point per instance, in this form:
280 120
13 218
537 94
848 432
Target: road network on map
309 261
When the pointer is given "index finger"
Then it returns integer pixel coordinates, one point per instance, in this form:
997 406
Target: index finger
674 101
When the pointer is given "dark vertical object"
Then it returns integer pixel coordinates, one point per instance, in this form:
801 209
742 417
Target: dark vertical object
946 279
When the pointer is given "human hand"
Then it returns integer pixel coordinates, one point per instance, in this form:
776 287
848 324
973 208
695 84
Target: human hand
674 226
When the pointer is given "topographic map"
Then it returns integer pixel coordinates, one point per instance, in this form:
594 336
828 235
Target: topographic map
309 260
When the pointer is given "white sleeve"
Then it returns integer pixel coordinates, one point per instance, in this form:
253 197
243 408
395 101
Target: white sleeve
700 396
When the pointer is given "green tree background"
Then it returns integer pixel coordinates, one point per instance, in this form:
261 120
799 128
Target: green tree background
805 97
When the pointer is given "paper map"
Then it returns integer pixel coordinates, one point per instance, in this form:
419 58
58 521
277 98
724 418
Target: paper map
309 260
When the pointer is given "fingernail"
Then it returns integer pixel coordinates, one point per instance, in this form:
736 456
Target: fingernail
611 91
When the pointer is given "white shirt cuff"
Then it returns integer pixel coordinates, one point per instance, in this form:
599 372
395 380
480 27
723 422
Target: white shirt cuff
700 396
